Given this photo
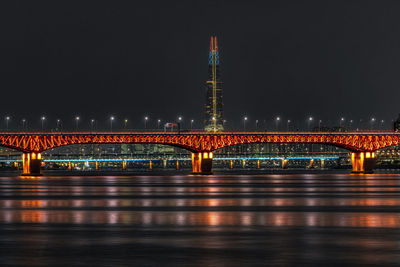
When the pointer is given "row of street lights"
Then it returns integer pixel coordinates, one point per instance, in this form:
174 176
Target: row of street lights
277 121
77 120
309 120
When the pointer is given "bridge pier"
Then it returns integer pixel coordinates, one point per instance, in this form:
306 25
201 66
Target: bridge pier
363 162
202 162
31 164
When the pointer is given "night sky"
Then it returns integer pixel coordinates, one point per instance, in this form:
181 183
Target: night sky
327 59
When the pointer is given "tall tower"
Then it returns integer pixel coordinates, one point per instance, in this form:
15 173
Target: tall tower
214 107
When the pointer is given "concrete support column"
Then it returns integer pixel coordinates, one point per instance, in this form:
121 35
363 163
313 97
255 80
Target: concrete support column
196 162
363 162
31 164
202 162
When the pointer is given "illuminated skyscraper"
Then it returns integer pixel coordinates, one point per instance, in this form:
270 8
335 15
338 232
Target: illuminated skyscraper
214 106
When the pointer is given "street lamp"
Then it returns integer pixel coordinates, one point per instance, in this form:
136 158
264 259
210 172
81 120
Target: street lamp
179 123
43 118
244 123
310 119
158 123
7 120
23 123
92 124
277 120
191 124
256 125
77 122
372 123
287 125
111 122
145 121
58 124
341 121
125 123
382 122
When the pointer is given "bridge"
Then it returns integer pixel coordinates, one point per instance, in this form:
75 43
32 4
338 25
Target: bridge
362 145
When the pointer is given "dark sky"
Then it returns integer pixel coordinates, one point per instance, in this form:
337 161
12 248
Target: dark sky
328 59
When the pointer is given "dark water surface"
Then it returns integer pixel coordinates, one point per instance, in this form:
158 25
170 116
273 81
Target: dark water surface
221 220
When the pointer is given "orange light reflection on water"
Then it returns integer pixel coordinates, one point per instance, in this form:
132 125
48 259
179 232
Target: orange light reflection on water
200 202
268 219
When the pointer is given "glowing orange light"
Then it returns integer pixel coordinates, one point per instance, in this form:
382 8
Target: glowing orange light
36 143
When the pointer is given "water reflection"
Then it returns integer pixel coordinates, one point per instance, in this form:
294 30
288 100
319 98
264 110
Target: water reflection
206 203
158 219
263 200
270 219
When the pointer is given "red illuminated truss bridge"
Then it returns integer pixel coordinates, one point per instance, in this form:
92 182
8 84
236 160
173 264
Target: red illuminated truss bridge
202 145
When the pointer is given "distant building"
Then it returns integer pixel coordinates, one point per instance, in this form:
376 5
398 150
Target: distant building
396 124
214 107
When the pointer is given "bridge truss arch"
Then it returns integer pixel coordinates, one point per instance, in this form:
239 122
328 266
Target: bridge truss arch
198 142
353 142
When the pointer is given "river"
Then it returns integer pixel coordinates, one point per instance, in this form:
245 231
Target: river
218 220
